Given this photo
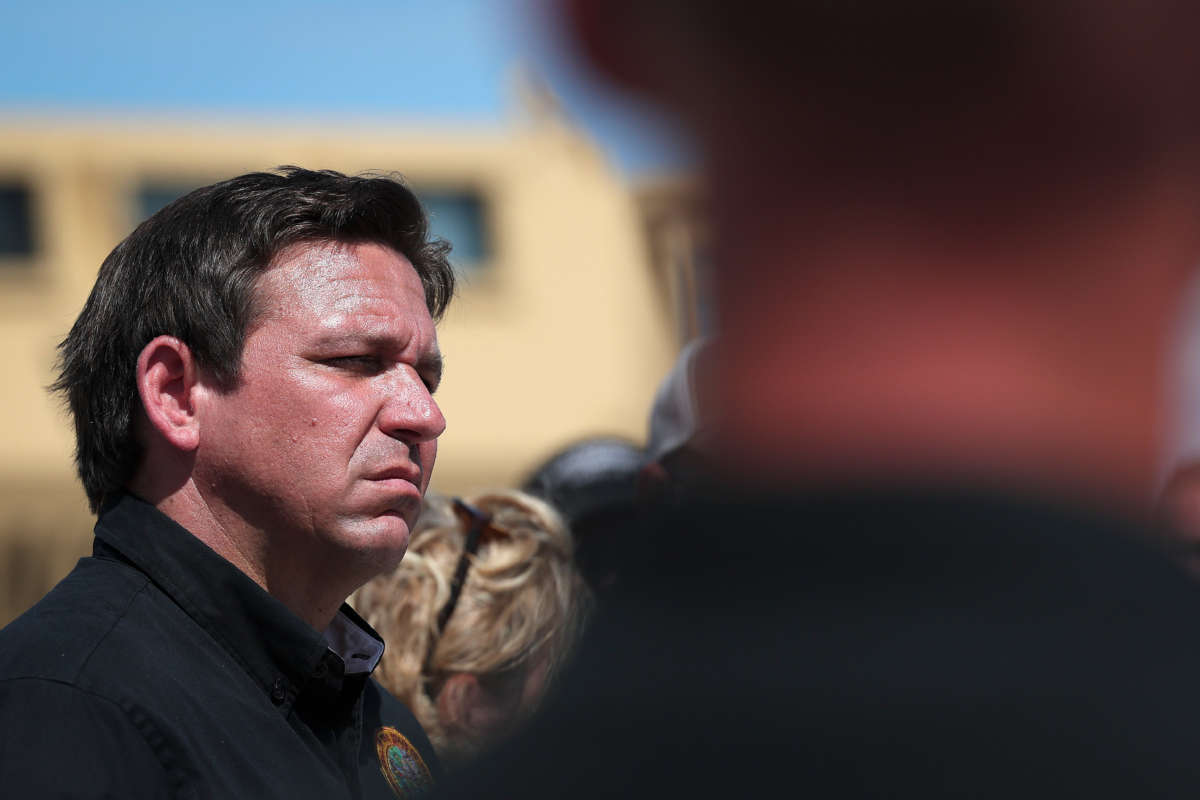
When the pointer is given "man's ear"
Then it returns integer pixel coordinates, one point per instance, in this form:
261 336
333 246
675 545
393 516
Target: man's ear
166 380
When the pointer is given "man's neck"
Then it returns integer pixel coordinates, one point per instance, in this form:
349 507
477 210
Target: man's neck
854 358
313 595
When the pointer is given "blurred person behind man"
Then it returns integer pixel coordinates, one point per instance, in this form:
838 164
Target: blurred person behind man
951 243
677 446
480 616
606 485
593 483
1178 506
1179 511
251 381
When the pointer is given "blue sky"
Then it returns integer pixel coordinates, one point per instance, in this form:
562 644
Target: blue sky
440 59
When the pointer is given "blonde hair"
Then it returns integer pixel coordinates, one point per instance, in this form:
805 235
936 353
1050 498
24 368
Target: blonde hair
522 599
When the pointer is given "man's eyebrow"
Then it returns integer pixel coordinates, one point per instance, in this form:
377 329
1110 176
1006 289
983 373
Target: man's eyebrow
342 339
380 340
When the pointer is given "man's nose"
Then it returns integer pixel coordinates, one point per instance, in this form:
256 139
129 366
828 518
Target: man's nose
409 412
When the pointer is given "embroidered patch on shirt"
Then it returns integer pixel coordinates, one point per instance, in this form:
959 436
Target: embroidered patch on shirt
401 764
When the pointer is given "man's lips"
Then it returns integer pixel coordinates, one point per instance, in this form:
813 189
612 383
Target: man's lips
396 492
398 477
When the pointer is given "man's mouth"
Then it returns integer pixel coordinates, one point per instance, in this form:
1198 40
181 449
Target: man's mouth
402 486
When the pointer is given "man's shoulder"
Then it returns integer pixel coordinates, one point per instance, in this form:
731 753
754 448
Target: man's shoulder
967 563
56 638
881 533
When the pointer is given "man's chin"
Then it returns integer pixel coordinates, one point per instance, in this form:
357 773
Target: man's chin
391 526
381 538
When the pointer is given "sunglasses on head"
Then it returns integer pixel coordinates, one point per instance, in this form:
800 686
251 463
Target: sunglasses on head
479 526
477 523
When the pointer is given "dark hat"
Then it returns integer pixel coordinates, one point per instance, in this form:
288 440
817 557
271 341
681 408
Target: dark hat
589 477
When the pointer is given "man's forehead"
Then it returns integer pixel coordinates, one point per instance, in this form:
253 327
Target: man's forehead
331 262
336 277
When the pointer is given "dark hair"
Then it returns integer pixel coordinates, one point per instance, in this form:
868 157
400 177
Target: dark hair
190 272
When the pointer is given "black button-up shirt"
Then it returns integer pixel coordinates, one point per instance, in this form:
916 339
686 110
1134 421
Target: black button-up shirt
158 669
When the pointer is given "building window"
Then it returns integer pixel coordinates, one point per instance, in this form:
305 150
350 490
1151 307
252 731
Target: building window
16 220
460 217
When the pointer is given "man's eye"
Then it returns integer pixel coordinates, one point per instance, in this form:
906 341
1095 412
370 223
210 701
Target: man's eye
359 363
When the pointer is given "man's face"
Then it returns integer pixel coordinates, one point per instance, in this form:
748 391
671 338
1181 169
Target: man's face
327 443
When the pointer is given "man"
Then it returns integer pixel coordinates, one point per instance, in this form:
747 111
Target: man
252 385
951 242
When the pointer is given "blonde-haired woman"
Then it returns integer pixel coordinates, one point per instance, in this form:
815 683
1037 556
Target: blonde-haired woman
478 617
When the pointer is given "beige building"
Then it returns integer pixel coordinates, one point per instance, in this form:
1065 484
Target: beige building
563 326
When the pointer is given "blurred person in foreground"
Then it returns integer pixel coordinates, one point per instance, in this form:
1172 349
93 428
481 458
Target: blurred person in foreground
252 386
479 616
952 239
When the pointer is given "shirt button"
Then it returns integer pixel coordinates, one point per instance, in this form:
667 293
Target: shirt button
278 691
321 671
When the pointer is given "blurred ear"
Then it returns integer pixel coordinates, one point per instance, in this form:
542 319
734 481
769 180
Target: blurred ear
467 707
610 33
166 381
459 695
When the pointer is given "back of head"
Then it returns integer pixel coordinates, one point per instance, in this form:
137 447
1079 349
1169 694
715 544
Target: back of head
905 193
190 272
520 609
955 107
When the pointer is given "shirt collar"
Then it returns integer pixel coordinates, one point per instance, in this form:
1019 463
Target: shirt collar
352 639
280 651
